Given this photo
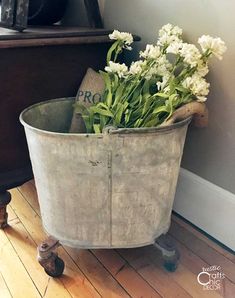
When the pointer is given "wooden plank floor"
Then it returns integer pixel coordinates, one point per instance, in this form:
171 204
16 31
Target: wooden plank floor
134 272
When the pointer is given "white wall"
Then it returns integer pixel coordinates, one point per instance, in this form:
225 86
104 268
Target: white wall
210 153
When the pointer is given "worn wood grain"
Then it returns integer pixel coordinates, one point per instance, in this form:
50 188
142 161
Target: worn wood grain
203 237
5 293
105 284
14 272
29 193
32 223
11 214
203 250
156 276
194 263
26 250
184 277
134 284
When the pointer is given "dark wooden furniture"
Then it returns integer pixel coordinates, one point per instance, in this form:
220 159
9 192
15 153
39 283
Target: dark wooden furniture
38 64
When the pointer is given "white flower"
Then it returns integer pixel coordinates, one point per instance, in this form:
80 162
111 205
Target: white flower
151 52
156 70
169 29
165 29
201 98
137 67
169 34
198 86
215 45
125 37
177 31
120 69
150 73
174 47
162 60
190 53
166 39
202 68
160 68
164 66
161 85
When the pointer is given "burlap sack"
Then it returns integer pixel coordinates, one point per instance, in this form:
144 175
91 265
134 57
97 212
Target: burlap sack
89 92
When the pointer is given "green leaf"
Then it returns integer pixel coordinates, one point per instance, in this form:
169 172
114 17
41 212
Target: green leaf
103 121
108 95
163 95
109 99
161 109
97 128
118 116
118 94
127 116
102 105
136 94
115 82
88 122
146 87
181 89
147 105
111 50
172 85
138 123
107 80
103 112
152 123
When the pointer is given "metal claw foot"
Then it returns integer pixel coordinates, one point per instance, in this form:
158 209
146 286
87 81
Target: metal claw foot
48 259
5 198
169 252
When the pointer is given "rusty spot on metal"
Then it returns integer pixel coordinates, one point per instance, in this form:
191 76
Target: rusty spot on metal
94 163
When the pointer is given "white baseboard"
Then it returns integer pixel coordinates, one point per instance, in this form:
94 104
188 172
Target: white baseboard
206 205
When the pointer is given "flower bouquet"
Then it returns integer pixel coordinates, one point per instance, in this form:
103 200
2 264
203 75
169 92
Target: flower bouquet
168 75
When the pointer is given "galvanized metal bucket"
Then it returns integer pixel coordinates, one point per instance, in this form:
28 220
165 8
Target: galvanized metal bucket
108 190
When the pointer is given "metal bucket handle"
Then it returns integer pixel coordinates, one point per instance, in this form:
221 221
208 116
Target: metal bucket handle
143 130
196 109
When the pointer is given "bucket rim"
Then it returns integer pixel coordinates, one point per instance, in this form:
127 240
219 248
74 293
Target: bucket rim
118 131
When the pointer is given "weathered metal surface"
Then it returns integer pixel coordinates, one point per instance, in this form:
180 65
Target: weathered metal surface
7 12
21 16
102 190
14 14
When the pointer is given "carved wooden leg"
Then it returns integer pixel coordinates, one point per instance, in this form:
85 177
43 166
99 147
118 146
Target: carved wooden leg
169 252
48 259
5 198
